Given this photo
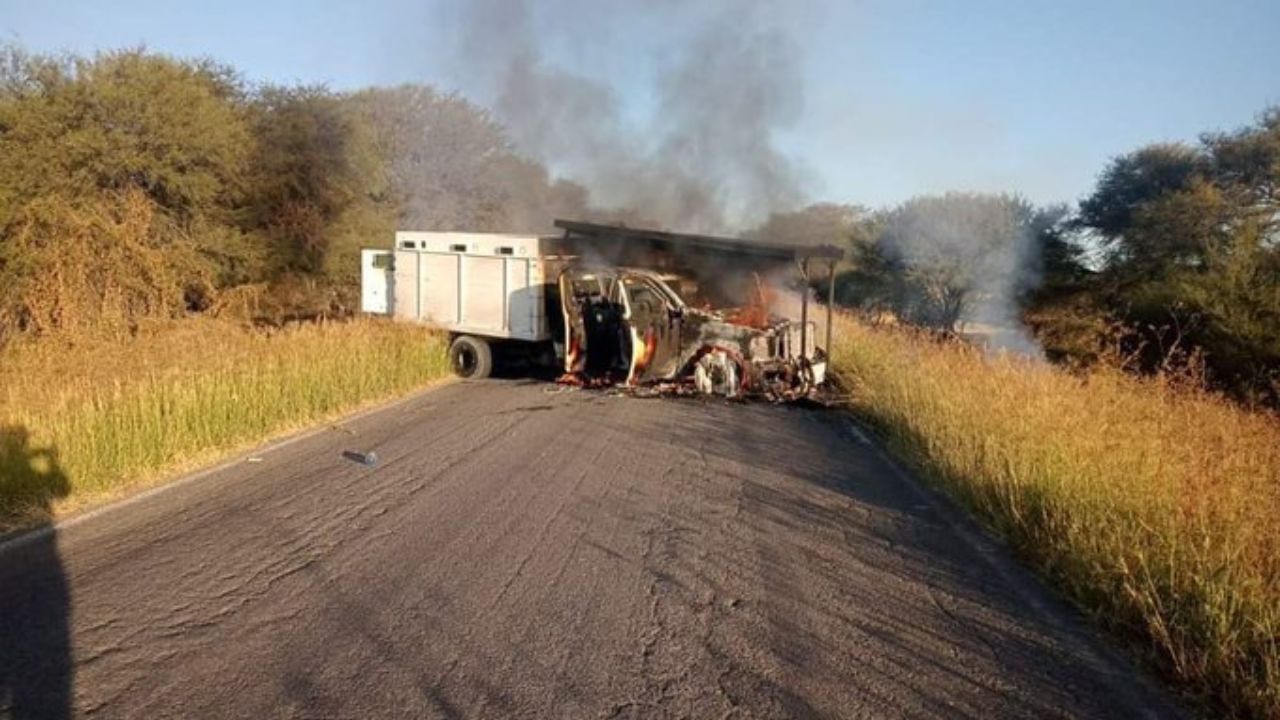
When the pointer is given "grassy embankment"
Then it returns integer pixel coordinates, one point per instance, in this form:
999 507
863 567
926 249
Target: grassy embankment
1156 509
83 421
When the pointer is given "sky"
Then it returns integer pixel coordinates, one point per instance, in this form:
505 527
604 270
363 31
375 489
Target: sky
898 98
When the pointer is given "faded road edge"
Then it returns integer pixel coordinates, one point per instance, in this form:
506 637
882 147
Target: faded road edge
1030 589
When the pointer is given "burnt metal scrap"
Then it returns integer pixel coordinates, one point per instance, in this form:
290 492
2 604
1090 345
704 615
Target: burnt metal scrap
627 326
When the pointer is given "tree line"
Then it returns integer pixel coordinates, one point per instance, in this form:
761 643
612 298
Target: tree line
135 185
1171 263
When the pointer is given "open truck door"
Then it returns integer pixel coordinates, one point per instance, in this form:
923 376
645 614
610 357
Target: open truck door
653 319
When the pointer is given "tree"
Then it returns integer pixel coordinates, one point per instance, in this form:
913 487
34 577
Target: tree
818 224
122 120
1059 259
941 259
314 161
1193 254
1248 160
118 175
451 167
107 260
872 283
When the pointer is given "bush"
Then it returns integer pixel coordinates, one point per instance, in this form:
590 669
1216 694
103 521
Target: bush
107 261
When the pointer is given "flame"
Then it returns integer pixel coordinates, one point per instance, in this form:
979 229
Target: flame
756 313
571 357
649 348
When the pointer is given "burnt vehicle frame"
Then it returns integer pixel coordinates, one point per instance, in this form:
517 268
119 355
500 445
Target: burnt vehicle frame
624 323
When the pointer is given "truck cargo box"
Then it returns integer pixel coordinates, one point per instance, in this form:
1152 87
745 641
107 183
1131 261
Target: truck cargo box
483 284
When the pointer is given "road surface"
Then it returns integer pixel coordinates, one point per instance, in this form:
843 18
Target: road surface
521 550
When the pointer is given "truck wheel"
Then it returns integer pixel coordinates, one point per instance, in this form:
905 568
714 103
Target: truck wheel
470 357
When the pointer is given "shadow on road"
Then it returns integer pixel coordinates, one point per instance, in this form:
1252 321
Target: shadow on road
35 644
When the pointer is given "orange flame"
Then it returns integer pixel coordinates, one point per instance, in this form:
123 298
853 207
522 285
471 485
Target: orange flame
650 348
756 313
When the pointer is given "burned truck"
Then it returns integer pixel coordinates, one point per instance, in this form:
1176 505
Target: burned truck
628 326
606 305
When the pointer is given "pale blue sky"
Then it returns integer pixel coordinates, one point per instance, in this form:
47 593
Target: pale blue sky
901 97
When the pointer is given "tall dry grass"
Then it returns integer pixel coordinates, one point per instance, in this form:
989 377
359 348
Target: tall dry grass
1154 507
85 419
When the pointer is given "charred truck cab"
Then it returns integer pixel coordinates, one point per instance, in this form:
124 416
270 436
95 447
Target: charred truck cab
651 309
628 326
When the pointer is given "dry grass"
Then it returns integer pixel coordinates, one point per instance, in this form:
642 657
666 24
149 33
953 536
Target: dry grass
1154 507
81 421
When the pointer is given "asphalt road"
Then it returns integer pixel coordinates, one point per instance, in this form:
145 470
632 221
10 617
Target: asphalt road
520 550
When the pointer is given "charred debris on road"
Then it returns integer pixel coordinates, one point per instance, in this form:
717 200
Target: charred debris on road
658 312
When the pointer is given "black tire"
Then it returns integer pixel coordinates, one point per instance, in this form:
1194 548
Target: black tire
470 357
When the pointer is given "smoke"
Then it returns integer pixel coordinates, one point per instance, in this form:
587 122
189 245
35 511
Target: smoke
963 261
670 115
1009 272
725 79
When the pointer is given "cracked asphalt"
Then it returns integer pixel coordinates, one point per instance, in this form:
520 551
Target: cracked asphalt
523 550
